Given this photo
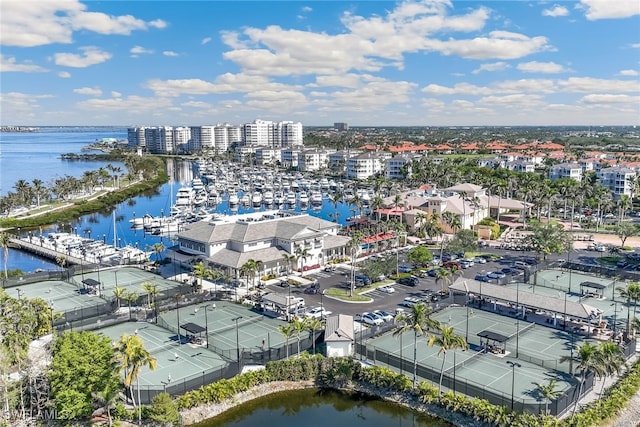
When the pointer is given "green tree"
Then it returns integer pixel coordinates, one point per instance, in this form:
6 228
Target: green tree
463 241
549 238
81 362
625 230
313 325
548 392
420 256
119 294
291 261
446 340
202 272
419 321
612 359
287 331
107 399
588 361
5 241
443 275
132 357
299 326
164 411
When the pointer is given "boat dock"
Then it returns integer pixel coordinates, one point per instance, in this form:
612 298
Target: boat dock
43 251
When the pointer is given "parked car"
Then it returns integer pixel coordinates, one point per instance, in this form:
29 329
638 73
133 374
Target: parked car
622 263
330 267
317 313
423 274
387 289
411 301
371 319
482 278
364 279
408 281
313 289
465 263
433 272
496 275
480 260
405 269
511 271
384 315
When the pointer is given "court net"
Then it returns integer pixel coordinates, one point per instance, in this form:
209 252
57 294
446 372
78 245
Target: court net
465 362
523 330
241 323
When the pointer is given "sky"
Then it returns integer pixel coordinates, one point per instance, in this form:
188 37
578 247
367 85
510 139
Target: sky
367 63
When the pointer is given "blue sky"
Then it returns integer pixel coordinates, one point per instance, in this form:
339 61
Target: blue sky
377 63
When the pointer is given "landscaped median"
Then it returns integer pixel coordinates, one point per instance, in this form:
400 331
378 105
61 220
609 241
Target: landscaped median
359 296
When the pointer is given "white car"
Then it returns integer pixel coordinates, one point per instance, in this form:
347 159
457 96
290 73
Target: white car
317 313
371 319
387 289
387 317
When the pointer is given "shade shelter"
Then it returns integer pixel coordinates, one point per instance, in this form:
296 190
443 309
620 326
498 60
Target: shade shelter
92 286
193 332
495 342
593 289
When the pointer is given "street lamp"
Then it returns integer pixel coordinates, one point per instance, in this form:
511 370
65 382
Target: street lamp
517 318
206 321
235 319
20 293
513 377
573 330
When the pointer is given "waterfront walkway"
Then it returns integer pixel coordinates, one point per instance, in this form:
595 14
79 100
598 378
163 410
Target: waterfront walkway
43 251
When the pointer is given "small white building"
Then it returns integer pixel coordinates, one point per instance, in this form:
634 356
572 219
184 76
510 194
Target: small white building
566 170
339 336
619 180
366 165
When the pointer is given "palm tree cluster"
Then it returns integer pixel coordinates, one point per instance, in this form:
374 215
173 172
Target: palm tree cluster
418 320
297 327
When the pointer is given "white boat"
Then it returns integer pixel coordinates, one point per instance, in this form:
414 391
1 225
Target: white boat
316 198
324 184
245 199
233 199
304 199
197 185
278 198
256 199
268 197
200 199
212 198
291 198
185 197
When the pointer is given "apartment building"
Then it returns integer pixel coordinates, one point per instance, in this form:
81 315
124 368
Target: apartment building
367 164
313 160
566 170
398 167
619 180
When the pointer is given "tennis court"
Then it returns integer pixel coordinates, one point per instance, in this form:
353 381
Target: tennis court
128 278
254 330
61 296
176 363
570 280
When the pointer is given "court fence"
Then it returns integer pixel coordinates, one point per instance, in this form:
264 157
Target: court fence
472 389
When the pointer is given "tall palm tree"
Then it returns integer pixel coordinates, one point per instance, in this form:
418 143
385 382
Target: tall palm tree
132 355
288 331
612 358
452 220
290 260
588 362
119 294
447 340
548 392
151 289
313 324
5 241
336 198
298 326
418 321
201 272
443 275
355 243
249 270
302 254
630 293
463 196
158 248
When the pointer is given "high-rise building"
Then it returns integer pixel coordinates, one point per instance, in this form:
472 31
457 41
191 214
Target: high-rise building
135 136
202 138
341 126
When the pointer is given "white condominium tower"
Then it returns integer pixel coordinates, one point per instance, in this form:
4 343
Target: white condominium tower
270 134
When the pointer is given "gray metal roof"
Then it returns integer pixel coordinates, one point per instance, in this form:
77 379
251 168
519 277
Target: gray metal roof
548 303
233 259
339 328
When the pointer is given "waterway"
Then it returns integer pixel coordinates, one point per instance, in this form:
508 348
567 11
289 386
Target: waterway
43 149
321 408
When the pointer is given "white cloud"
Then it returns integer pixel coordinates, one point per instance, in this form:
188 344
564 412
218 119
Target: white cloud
636 45
115 94
629 72
541 67
307 9
91 56
9 63
608 9
499 45
139 50
556 11
64 74
169 53
20 107
37 23
225 83
495 66
611 99
589 84
128 105
92 91
206 40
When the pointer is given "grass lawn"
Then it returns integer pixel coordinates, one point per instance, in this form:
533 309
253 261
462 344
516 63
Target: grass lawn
343 295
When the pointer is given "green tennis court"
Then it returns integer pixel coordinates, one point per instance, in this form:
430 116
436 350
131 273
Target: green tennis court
128 278
61 296
566 280
177 362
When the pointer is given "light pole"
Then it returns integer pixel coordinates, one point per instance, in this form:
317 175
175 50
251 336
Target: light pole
573 330
206 321
517 318
513 378
166 383
235 319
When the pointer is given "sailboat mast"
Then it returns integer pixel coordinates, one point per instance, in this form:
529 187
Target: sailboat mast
114 229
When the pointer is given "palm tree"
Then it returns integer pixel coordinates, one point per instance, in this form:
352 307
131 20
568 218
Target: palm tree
548 392
302 254
288 331
612 358
132 355
291 260
119 293
443 275
589 361
250 268
418 321
336 198
463 196
452 220
313 324
447 340
201 271
354 245
158 248
5 241
630 293
107 398
151 289
298 326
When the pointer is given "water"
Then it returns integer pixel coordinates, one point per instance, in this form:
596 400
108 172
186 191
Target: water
320 408
42 150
